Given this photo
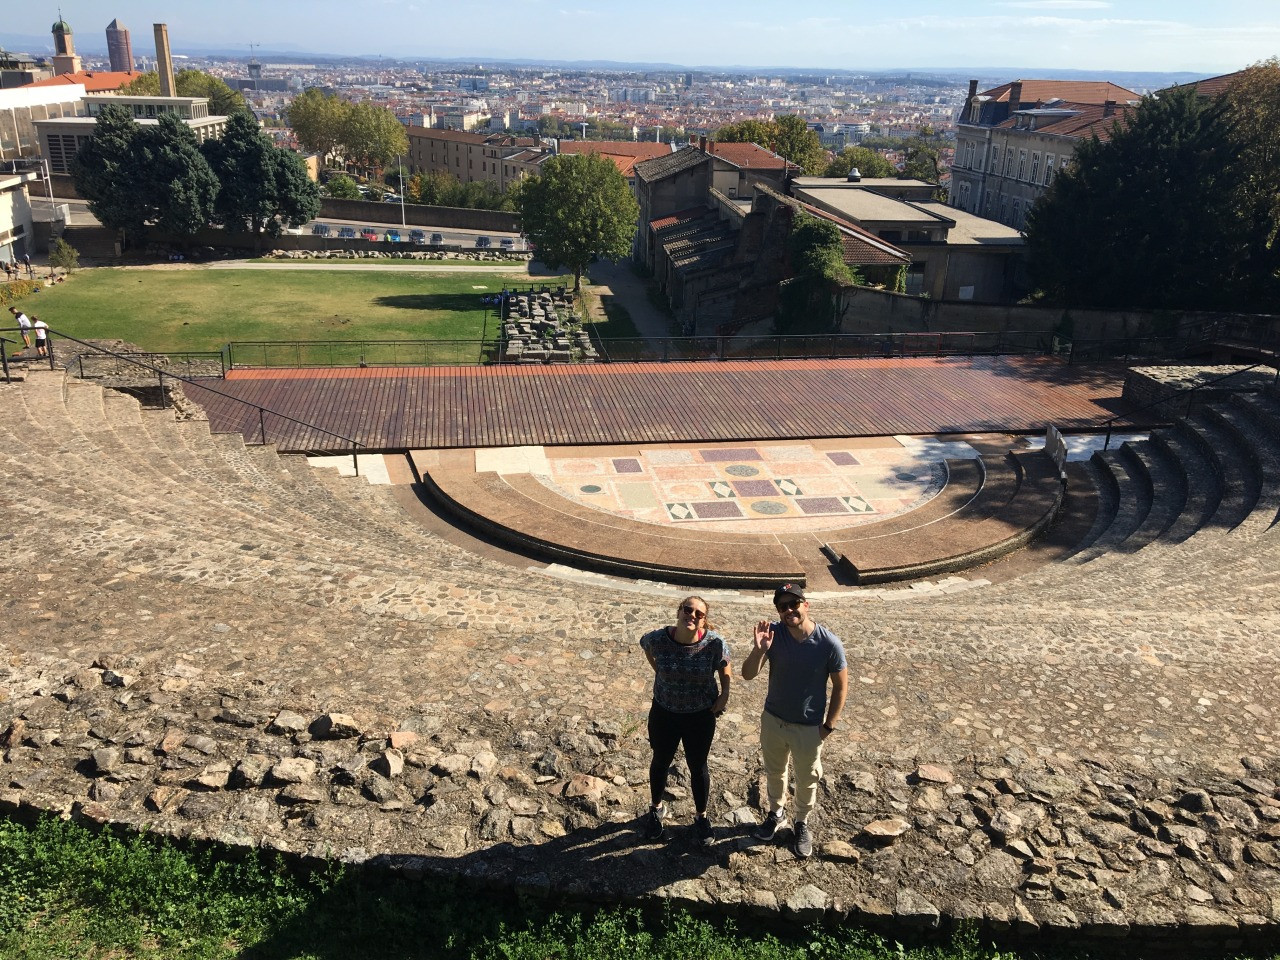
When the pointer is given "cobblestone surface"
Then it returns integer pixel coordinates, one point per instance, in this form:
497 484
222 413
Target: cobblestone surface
216 641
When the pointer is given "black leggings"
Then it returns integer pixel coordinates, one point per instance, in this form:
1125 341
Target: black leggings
667 731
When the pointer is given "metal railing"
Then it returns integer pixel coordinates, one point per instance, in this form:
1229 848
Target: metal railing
161 359
1190 393
360 353
161 374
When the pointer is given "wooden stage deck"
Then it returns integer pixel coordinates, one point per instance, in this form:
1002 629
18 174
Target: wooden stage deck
479 406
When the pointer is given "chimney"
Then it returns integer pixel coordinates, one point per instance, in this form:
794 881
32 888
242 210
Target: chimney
1015 95
164 60
1108 108
702 144
973 92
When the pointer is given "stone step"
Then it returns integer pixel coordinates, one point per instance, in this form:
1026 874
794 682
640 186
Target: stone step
1168 494
1230 461
1133 501
1203 487
1019 499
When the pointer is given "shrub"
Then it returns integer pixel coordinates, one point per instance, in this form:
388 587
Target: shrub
64 256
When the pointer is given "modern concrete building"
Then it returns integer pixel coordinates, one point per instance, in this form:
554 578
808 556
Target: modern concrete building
60 139
119 47
15 216
955 255
21 108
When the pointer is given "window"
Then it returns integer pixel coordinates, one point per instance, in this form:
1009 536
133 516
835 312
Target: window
1017 214
987 204
964 197
968 155
1008 162
1022 163
1035 168
1004 209
1048 168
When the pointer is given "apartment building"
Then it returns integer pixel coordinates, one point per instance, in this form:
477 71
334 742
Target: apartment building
469 156
1012 139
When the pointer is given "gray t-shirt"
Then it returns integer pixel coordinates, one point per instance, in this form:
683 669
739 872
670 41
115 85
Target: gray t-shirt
798 672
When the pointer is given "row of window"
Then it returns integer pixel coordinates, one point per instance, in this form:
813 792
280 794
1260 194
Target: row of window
1020 171
1013 213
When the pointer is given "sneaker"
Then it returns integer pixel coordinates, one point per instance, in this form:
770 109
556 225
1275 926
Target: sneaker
703 835
653 829
804 840
772 824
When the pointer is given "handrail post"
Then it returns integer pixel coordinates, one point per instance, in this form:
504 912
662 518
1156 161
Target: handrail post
262 424
355 461
80 364
48 345
4 358
1107 443
163 403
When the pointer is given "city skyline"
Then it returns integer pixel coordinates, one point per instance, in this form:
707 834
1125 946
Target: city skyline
1120 35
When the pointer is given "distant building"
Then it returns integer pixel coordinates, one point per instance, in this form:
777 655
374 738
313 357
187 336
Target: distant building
1010 140
64 49
119 46
468 156
23 107
15 216
20 69
625 154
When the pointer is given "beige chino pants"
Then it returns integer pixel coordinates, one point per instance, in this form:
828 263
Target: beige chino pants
802 743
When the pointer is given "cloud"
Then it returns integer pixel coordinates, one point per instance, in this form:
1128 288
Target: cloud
1057 4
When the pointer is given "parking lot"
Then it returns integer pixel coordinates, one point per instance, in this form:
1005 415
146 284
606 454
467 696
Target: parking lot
394 232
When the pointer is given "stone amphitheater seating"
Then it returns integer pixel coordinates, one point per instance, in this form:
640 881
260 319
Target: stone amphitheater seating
1089 747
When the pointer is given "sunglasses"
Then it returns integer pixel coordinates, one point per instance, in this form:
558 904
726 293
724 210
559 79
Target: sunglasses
788 606
689 611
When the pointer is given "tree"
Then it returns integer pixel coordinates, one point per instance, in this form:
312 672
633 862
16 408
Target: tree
317 120
577 210
133 175
788 136
64 256
342 187
105 171
178 188
262 187
223 101
807 301
1148 219
372 136
1253 112
920 160
868 162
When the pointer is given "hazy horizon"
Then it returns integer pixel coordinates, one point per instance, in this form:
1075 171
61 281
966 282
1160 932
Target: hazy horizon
1120 35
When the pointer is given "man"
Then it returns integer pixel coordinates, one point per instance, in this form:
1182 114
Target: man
24 326
42 337
797 717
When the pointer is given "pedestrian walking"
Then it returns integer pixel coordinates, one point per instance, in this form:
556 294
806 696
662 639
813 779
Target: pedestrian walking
26 259
803 658
692 675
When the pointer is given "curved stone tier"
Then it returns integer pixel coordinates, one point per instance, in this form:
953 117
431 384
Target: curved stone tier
215 641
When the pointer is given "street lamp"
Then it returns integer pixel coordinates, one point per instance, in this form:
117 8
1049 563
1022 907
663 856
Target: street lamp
400 174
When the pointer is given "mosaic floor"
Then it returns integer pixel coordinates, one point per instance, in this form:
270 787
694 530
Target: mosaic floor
766 487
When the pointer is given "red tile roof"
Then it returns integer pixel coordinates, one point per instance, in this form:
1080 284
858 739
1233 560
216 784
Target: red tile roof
1086 120
859 245
683 216
1216 86
95 81
748 155
1077 91
636 149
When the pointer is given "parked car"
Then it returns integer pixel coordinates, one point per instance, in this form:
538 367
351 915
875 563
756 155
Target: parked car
346 233
320 230
392 236
391 198
483 242
437 239
418 237
368 233
507 243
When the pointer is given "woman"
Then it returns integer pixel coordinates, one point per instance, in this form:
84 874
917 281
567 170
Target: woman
692 674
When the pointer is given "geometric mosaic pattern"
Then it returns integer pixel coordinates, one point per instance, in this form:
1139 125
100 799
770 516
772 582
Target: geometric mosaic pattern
783 487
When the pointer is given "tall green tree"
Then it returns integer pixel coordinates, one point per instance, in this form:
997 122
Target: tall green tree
262 187
1253 112
178 187
105 171
1148 219
342 187
318 120
920 160
223 101
372 136
579 209
868 162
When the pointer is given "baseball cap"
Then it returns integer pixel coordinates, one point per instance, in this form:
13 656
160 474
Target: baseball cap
794 589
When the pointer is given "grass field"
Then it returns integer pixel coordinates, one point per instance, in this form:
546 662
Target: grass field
66 892
172 310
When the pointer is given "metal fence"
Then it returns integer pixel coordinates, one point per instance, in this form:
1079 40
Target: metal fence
361 353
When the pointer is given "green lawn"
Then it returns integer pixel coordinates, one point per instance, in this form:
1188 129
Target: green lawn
171 310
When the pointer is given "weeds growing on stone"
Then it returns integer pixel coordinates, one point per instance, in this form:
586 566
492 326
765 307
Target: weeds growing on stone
68 892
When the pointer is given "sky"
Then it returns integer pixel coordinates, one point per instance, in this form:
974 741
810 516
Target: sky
1204 36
